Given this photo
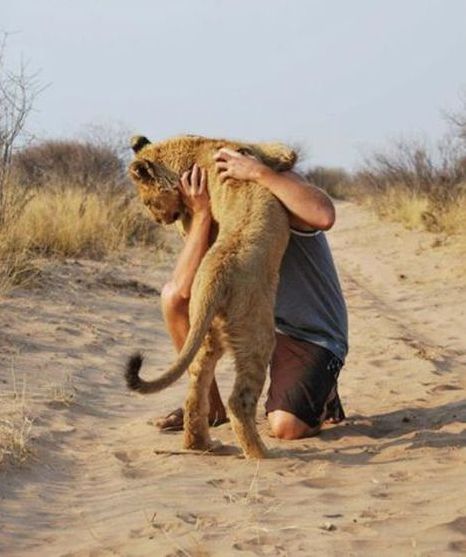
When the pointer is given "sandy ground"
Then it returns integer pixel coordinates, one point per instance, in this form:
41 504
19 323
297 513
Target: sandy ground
101 480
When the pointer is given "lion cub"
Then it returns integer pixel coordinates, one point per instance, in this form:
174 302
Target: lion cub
233 294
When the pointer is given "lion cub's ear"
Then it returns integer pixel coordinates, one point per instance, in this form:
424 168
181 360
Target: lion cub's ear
137 142
142 171
276 155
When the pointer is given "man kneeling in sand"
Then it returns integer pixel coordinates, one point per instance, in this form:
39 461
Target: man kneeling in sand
310 311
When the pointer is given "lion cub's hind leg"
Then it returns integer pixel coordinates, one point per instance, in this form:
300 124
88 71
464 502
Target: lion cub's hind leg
242 405
196 411
252 357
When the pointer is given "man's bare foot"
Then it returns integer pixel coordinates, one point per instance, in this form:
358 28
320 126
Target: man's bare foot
333 421
335 413
174 420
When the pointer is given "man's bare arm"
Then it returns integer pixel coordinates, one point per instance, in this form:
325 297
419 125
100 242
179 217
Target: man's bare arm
309 206
196 197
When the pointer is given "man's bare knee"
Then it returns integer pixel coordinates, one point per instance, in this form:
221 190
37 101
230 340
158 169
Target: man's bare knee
171 300
287 426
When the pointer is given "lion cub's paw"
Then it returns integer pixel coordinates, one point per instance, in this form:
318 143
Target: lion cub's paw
215 445
256 452
204 445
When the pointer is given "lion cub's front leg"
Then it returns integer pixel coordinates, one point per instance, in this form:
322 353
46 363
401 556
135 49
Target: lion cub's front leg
196 410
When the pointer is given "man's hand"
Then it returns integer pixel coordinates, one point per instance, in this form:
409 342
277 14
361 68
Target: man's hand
193 188
231 164
308 206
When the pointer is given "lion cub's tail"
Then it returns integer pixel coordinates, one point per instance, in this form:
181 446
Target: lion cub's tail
201 322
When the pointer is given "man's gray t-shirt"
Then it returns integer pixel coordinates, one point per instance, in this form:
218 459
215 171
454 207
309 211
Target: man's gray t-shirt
310 304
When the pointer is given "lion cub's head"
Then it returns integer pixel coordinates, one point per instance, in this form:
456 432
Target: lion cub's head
157 183
157 167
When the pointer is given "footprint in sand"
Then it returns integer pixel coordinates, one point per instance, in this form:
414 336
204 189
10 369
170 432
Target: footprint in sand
222 482
445 387
96 552
189 518
123 456
127 457
69 330
134 473
320 483
378 494
128 469
262 544
65 428
400 476
290 470
331 497
458 525
458 546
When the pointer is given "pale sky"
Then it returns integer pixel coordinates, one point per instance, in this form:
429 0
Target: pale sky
341 77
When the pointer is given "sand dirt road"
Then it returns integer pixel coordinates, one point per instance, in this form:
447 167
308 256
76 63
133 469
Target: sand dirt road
102 481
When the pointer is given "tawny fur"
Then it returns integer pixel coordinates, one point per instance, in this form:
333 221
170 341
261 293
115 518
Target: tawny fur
233 294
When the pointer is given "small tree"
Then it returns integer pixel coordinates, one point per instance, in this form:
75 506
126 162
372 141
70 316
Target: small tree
457 119
18 91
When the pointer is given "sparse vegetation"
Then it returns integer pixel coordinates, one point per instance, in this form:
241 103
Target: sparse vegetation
14 439
411 183
72 222
81 164
417 186
15 424
72 197
67 220
63 393
335 181
59 197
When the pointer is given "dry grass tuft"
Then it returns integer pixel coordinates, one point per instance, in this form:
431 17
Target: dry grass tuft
67 221
72 222
64 393
16 266
15 425
15 435
423 188
417 210
401 205
452 220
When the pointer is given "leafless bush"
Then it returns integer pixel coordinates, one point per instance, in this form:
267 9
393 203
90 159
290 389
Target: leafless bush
419 186
335 181
93 167
439 174
111 135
